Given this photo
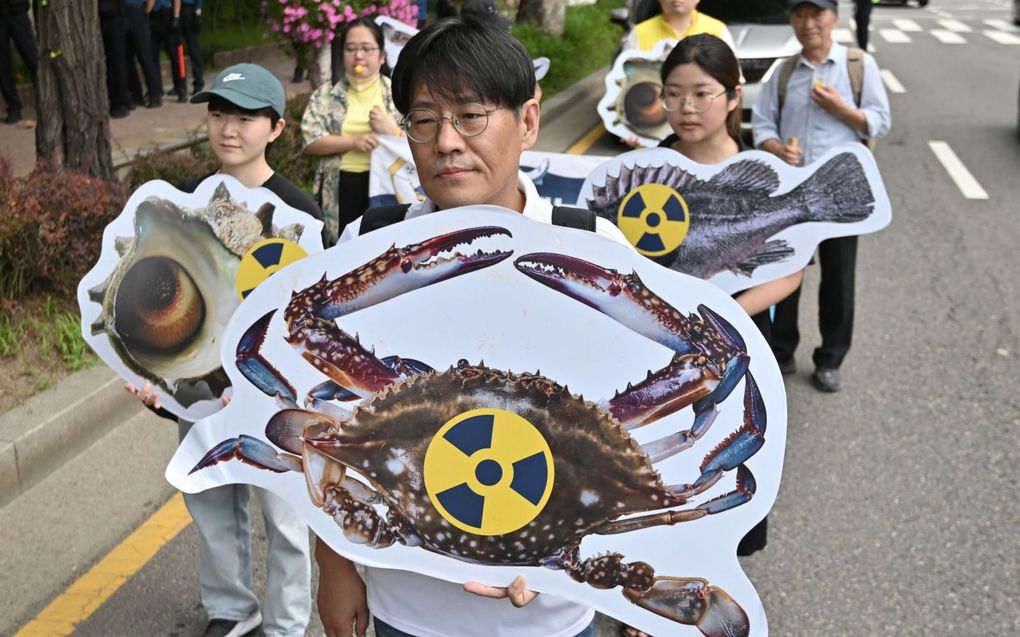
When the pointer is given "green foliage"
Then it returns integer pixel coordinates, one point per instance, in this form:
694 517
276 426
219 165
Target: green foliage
11 336
51 228
588 42
68 342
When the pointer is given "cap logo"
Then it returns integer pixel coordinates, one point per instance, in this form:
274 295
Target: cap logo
233 76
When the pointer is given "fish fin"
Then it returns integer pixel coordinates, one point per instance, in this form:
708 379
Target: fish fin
773 252
838 192
749 175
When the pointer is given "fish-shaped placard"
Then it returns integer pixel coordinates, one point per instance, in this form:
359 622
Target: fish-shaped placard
466 395
173 268
743 222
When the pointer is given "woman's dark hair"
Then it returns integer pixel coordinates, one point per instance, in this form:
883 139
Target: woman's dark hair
465 56
370 24
714 57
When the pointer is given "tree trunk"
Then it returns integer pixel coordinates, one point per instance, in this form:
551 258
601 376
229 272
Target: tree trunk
71 100
546 14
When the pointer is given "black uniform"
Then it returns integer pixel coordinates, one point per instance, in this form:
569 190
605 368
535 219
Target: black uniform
15 25
165 31
139 47
114 28
191 26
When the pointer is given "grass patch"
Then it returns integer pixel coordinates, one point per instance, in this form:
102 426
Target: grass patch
588 43
11 336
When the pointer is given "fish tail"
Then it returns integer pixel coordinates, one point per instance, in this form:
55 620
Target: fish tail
838 192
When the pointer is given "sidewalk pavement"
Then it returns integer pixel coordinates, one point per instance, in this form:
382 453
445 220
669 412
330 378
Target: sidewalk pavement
51 428
174 124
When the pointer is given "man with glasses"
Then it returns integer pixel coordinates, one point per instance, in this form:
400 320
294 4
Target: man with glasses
799 122
466 91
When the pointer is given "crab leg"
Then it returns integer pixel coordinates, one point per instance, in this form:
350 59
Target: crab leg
312 312
686 600
710 358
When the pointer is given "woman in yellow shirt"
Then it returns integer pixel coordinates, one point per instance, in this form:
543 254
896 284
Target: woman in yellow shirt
341 123
679 19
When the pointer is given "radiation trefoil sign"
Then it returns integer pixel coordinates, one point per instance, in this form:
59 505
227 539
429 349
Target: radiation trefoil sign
474 395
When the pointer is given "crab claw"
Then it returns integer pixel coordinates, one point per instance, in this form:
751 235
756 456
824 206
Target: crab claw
693 601
622 297
397 271
251 451
259 371
710 358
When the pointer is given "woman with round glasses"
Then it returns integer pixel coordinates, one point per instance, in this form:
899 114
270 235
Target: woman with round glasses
701 95
342 122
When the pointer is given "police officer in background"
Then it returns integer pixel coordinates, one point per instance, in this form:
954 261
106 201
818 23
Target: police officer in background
191 26
114 29
139 47
165 25
15 25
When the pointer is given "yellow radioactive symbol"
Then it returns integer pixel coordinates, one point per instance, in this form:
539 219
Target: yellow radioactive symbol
265 258
488 471
654 218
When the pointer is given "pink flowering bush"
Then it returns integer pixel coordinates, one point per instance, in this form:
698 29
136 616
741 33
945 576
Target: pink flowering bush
312 24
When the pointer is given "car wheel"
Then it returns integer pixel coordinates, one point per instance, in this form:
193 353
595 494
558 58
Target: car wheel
922 3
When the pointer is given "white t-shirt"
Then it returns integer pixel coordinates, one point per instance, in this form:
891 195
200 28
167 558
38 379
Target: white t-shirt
428 607
534 208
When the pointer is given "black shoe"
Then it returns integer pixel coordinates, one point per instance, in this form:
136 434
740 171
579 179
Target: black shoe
826 380
182 97
788 367
154 103
12 118
119 113
233 628
299 75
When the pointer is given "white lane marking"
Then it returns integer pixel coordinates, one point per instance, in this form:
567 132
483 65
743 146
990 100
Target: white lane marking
1003 38
907 25
940 12
891 82
965 181
948 37
1003 25
955 25
843 36
894 36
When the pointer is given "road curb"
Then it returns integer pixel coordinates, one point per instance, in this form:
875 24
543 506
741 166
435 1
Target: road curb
558 104
40 435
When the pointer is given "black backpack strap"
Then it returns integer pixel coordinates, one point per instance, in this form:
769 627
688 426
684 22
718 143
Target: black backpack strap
382 216
579 218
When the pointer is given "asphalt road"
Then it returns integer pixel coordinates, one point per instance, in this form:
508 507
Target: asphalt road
898 512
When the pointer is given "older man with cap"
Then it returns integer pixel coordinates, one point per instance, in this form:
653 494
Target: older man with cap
799 115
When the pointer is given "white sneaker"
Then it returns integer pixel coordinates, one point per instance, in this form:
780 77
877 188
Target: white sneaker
232 627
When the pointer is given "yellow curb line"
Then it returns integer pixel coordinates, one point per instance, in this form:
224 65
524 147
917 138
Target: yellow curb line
582 145
92 589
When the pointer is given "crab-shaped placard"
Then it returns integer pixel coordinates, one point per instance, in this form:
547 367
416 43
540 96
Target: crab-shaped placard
172 270
745 221
473 395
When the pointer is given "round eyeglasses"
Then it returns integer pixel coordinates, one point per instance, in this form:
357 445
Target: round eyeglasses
422 125
699 101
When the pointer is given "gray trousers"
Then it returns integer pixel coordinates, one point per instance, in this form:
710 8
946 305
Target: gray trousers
224 557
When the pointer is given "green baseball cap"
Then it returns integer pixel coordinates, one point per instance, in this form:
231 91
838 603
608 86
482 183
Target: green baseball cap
247 86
